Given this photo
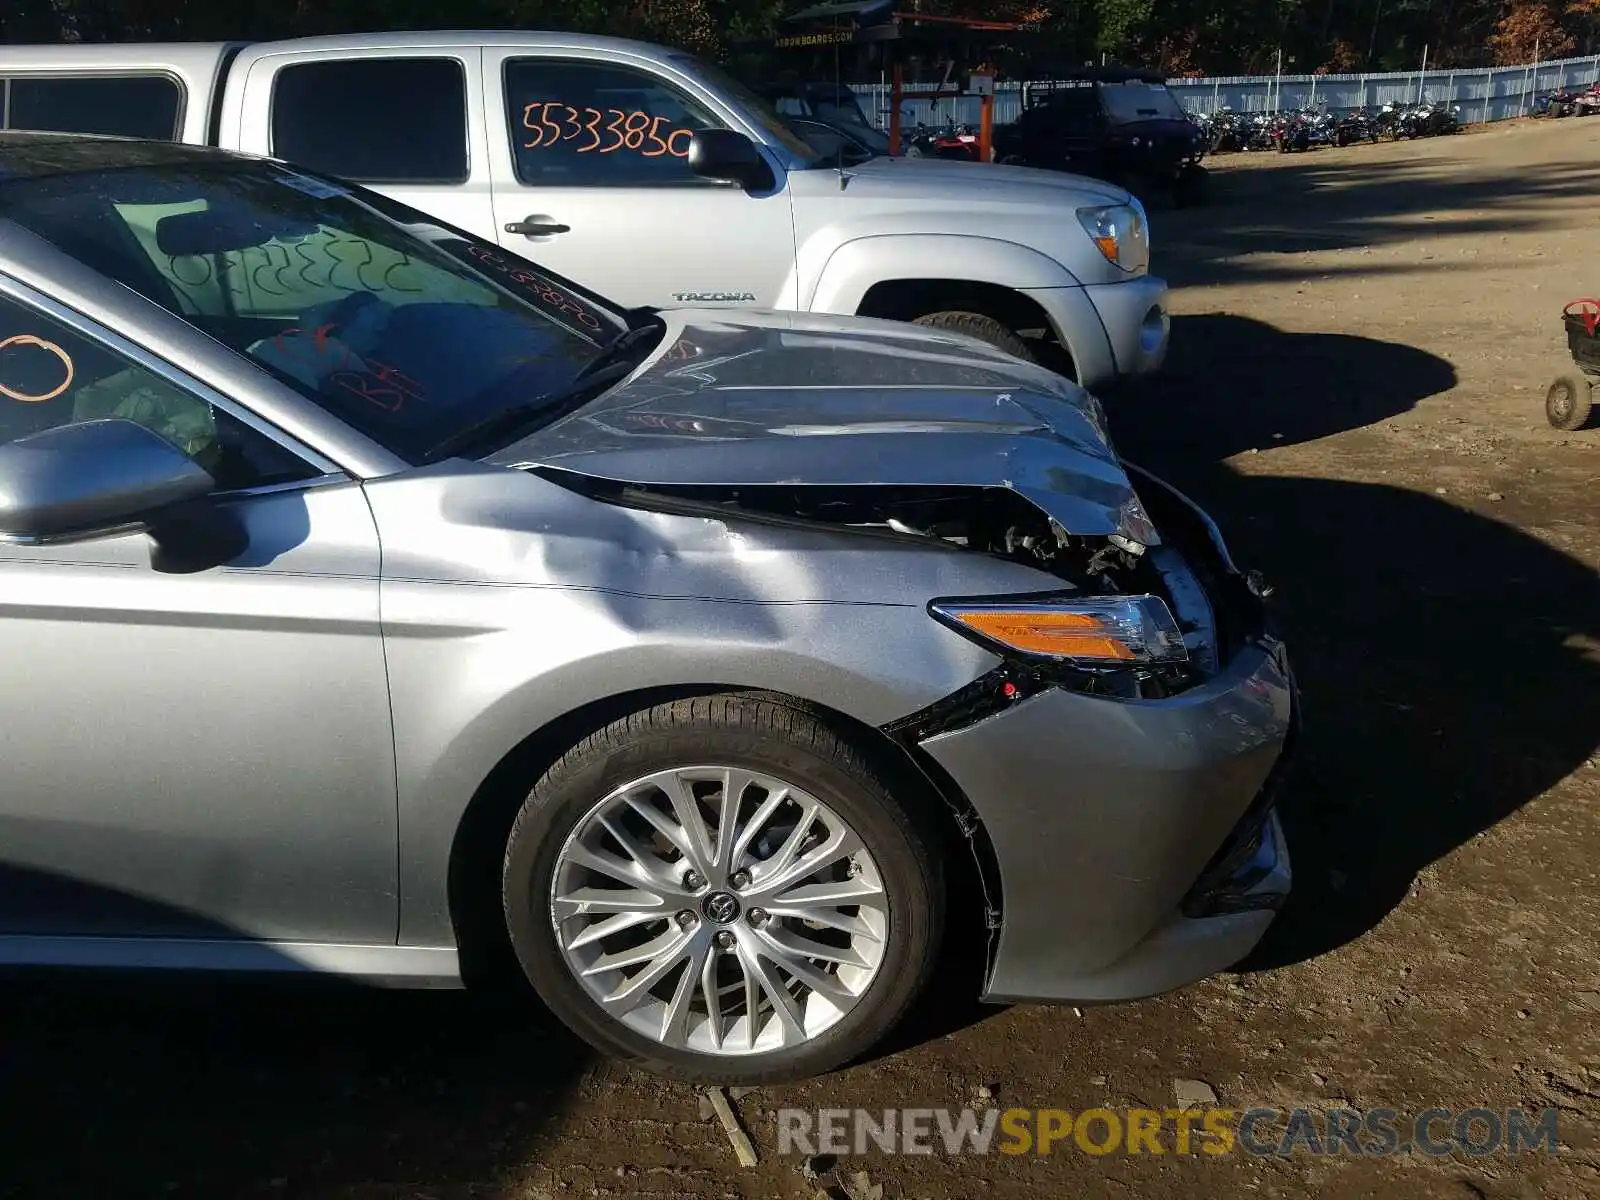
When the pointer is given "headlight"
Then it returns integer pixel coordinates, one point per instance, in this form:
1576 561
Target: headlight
1119 232
1108 631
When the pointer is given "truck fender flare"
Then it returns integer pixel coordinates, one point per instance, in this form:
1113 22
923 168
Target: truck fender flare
856 265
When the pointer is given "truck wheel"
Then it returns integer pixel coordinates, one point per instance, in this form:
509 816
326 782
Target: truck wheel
725 889
985 329
1192 187
1567 403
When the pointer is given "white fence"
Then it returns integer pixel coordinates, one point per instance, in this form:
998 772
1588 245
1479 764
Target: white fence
1483 93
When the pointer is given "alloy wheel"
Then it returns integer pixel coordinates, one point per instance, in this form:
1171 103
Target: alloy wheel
719 910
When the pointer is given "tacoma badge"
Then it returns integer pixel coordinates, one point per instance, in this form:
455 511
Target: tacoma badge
713 297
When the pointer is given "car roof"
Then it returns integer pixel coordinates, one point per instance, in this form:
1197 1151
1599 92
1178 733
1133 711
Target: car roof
26 155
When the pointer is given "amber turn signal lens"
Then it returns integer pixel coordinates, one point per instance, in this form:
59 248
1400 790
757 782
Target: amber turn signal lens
1112 630
1061 634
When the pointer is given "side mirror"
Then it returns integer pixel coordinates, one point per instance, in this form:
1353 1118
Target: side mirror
91 477
729 157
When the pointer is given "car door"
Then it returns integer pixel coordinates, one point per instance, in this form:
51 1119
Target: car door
591 181
195 727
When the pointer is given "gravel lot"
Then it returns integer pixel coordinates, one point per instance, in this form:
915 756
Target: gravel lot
1361 348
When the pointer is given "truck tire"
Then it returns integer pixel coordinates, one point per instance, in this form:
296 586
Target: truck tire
1192 187
985 329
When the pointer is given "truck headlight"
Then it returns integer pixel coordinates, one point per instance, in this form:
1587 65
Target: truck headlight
1120 233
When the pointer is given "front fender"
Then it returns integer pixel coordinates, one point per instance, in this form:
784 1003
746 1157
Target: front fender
475 671
856 265
510 602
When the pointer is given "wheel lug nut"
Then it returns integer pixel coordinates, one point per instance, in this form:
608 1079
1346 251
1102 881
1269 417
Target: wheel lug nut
740 879
724 939
686 919
693 880
758 917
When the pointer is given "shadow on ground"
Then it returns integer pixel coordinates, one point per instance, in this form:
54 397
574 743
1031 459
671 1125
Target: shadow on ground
1331 201
1442 654
148 1088
1233 384
223 1088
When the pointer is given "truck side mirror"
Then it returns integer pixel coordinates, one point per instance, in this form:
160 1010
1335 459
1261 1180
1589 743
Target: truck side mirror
729 157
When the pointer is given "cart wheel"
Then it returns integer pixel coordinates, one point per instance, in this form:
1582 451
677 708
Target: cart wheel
1566 404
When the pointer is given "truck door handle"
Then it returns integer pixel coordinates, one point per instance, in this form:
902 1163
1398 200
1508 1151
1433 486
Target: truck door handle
529 227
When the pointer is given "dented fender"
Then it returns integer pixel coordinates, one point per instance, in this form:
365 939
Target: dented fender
509 601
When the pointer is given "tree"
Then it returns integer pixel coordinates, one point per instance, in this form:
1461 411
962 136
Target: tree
1531 28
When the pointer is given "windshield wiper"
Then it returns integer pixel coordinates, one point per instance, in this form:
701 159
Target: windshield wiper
500 426
616 349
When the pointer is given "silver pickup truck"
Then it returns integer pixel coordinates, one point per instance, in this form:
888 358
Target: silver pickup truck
646 174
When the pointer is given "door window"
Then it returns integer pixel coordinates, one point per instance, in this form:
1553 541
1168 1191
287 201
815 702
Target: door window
374 120
1073 112
52 375
141 106
589 124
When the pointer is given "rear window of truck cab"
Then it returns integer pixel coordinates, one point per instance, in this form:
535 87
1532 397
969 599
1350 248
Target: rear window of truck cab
374 120
147 105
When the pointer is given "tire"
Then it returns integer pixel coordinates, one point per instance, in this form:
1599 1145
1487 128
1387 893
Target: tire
1192 187
985 329
776 743
1568 401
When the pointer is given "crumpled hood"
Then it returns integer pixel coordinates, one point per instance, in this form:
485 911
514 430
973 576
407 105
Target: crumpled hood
800 399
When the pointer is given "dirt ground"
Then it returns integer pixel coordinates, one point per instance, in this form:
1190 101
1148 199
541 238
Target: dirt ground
1361 345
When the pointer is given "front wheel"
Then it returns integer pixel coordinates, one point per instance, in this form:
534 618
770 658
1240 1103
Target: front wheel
1568 401
985 329
724 889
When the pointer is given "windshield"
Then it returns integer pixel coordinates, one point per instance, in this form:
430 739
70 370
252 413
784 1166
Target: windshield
1126 103
838 106
760 110
408 331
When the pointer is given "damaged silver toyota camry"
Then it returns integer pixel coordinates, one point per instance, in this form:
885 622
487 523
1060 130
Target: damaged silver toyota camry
379 604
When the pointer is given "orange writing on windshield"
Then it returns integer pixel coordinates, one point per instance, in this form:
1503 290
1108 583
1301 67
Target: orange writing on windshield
538 285
376 382
603 130
39 343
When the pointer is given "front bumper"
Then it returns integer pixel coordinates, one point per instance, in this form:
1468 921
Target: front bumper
1112 330
1105 815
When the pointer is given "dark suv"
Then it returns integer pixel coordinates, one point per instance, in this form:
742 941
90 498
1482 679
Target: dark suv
1121 125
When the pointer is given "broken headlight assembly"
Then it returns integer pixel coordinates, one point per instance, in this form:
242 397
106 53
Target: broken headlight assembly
1120 647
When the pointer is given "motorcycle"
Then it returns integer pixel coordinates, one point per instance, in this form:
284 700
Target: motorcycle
947 141
1357 126
1225 130
1557 103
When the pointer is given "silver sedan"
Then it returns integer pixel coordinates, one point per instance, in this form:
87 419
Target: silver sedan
377 604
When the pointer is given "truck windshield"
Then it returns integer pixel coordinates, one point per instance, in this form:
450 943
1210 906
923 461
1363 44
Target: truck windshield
1126 103
408 331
